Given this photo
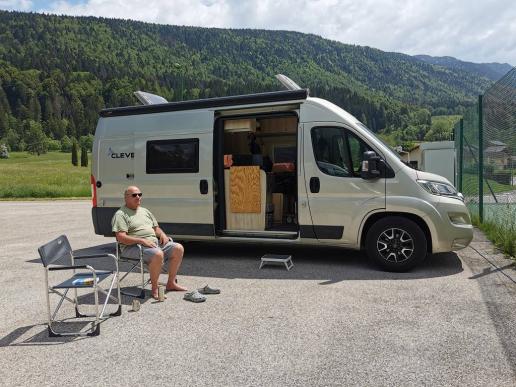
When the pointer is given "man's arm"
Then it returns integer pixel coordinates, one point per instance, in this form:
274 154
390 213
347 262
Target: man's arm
125 239
160 234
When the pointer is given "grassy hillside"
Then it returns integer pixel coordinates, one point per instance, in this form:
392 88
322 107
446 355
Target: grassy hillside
57 72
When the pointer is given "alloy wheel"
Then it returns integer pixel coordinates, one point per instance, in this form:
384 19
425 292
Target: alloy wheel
395 245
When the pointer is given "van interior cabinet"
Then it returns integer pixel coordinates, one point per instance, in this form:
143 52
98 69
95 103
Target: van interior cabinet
245 199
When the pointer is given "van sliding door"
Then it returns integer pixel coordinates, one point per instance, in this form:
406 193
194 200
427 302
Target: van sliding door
174 171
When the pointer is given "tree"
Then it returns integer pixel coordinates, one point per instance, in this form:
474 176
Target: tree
66 144
12 140
87 142
74 152
4 154
439 132
37 142
54 145
84 157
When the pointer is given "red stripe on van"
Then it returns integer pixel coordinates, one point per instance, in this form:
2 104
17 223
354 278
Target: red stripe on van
93 191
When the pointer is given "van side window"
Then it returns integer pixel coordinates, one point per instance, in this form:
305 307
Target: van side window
337 151
356 148
173 156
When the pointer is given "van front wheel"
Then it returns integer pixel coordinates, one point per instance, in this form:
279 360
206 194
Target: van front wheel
396 244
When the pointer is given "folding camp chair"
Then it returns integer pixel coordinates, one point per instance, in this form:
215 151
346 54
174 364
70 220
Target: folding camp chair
136 264
59 254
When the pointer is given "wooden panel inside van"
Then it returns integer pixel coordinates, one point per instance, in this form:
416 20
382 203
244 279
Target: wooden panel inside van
245 193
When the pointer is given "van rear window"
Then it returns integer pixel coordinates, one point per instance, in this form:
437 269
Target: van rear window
173 156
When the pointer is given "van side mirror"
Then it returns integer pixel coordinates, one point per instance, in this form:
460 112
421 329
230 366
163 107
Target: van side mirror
370 165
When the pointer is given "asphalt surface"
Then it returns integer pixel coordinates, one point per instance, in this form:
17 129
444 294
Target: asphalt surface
332 320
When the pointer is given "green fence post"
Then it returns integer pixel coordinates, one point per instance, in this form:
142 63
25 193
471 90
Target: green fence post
461 153
480 161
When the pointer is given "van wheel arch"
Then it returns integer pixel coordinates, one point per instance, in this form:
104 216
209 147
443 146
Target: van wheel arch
380 215
396 244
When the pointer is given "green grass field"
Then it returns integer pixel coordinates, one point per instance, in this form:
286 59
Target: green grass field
470 186
47 176
449 121
499 225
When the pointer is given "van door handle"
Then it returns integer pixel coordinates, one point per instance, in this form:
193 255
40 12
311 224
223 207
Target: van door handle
315 184
203 187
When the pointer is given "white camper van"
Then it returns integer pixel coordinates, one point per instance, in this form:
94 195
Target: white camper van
273 167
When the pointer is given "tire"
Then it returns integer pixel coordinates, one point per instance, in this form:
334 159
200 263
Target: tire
396 244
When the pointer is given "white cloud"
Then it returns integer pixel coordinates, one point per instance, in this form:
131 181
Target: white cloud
21 5
476 31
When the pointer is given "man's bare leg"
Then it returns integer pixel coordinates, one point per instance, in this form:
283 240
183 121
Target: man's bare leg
154 271
173 267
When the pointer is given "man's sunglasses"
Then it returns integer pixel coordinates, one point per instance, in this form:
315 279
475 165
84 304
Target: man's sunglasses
136 194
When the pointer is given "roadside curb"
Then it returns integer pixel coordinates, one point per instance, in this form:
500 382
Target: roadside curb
491 255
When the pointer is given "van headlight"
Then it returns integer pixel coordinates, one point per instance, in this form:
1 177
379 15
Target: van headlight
440 189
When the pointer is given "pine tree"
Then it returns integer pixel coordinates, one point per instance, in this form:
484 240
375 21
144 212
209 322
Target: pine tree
37 142
74 152
84 157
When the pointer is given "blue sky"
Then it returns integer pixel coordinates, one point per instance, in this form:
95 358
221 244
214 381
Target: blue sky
476 31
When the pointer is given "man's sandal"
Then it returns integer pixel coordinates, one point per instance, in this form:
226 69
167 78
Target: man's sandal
208 290
194 296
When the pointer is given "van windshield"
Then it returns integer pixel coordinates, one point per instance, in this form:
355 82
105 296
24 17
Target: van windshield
387 146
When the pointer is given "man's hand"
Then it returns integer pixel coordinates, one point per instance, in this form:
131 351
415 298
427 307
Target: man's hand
163 239
122 237
161 235
147 243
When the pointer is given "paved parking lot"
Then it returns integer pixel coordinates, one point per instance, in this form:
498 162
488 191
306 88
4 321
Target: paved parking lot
332 320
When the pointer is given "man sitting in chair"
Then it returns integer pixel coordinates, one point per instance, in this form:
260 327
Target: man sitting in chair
132 225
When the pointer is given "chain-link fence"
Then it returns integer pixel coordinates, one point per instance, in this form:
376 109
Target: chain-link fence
485 142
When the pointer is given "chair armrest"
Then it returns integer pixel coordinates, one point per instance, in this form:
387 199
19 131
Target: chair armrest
69 267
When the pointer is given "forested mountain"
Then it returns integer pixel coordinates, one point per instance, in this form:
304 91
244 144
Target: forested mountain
492 71
57 72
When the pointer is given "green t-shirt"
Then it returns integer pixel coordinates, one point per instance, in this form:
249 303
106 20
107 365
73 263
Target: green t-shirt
137 223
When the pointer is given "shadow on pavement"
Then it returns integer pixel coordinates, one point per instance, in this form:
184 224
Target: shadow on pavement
326 264
22 336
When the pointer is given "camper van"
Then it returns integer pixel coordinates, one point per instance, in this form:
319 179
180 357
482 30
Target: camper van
275 167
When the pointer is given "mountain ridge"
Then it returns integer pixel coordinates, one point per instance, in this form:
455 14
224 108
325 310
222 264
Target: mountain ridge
57 72
493 70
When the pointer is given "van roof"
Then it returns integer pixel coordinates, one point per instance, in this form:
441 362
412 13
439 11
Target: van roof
247 99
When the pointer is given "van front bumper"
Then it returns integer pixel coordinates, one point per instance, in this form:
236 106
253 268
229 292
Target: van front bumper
454 228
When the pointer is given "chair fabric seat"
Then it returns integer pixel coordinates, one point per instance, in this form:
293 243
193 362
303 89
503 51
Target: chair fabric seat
74 282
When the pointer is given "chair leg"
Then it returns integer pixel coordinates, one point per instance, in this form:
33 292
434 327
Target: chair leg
118 288
119 310
95 288
94 332
142 294
78 314
117 313
51 333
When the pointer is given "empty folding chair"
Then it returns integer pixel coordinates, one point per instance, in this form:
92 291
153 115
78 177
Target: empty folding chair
57 255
